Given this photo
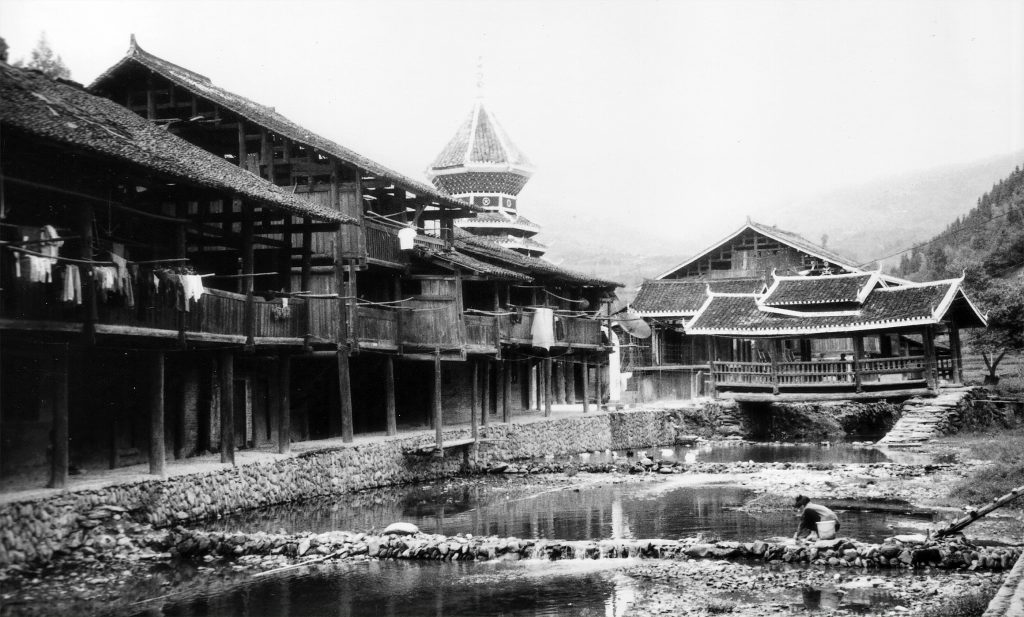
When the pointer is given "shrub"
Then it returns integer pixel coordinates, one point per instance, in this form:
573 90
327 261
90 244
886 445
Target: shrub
716 606
967 605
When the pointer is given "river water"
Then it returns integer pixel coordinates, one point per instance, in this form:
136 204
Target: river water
513 506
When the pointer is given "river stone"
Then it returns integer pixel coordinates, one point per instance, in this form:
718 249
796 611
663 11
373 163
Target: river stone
828 544
911 538
401 529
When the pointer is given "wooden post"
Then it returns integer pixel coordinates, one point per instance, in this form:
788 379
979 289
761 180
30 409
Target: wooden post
532 391
570 383
59 468
227 407
499 387
930 368
284 414
247 271
547 387
389 395
474 393
598 386
345 394
954 354
150 98
243 150
858 352
157 450
586 386
506 399
485 401
87 278
438 416
558 382
307 255
774 357
473 430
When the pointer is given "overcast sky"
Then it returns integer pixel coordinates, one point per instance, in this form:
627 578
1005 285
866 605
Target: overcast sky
681 113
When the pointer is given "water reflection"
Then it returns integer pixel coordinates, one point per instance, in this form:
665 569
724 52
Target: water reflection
744 451
400 589
589 512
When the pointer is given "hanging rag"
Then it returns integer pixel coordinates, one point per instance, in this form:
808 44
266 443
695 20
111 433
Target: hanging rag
543 331
192 287
123 282
71 286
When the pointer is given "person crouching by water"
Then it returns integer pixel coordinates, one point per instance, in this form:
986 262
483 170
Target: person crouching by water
810 515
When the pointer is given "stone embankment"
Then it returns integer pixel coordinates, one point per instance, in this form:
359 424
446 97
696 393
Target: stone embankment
34 530
945 414
270 551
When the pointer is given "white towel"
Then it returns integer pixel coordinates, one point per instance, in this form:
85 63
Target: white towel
192 285
543 328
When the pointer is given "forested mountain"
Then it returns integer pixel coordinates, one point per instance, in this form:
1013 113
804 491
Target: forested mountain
988 241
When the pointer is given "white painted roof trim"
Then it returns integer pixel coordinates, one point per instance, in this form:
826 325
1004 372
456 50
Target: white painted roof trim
792 313
874 325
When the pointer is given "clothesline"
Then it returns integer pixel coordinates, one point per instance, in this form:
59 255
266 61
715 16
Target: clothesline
87 262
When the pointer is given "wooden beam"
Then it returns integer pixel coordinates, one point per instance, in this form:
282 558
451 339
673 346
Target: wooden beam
954 353
858 353
345 394
284 414
157 449
570 383
438 414
598 386
930 360
389 395
59 434
227 407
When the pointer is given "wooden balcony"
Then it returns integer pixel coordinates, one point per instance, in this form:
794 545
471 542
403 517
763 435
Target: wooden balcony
218 316
377 328
482 334
382 246
862 378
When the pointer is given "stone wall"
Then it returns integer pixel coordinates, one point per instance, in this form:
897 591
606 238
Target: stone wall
34 529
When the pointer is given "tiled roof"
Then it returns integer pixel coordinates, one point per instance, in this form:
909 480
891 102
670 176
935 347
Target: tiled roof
68 115
481 140
487 249
466 262
685 296
803 290
201 85
884 308
498 217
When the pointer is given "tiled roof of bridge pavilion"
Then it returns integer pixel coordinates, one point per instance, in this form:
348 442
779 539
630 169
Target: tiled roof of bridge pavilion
910 305
827 289
684 297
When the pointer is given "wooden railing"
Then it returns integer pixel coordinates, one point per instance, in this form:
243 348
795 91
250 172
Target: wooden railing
742 373
377 327
432 324
580 331
482 331
820 374
382 244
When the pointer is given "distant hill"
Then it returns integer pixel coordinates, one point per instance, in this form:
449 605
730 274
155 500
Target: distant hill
873 220
864 222
989 238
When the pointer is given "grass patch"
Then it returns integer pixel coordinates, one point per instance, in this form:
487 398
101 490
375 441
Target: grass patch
717 606
1005 450
967 605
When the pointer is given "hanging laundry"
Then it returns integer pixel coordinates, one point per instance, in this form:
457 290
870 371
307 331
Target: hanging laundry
543 328
124 282
71 285
192 286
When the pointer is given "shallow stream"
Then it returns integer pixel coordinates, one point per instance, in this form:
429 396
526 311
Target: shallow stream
667 507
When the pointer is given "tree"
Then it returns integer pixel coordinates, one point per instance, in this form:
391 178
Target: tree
44 60
3 50
1004 302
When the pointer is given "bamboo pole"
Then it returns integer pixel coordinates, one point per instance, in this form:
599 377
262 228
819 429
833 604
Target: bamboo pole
973 515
